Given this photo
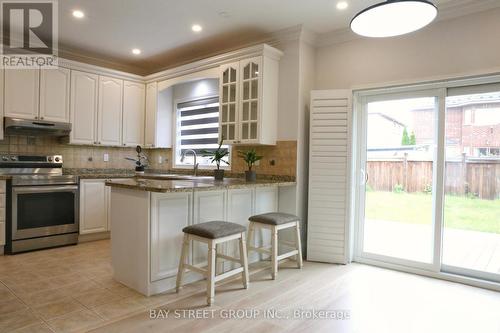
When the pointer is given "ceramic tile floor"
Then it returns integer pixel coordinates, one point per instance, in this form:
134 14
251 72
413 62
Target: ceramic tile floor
65 290
71 290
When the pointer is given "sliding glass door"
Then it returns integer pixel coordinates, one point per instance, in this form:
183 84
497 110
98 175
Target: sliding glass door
471 237
429 182
398 168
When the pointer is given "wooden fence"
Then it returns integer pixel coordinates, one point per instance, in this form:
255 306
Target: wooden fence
476 177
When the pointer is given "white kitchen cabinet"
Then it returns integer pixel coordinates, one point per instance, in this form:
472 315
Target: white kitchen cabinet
248 92
208 206
266 201
240 206
159 115
170 213
228 102
55 94
94 204
83 110
133 113
151 109
2 213
110 106
22 88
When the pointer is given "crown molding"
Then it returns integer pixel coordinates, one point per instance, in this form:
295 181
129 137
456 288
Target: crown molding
447 11
214 61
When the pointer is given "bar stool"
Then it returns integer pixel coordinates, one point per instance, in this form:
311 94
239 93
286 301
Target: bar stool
275 222
213 233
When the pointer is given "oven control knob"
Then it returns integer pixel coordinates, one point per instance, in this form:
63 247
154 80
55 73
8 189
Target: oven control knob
5 158
13 158
50 159
57 159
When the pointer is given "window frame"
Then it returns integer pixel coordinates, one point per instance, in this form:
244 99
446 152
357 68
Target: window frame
175 141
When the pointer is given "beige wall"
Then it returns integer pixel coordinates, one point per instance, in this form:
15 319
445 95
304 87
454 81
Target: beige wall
467 45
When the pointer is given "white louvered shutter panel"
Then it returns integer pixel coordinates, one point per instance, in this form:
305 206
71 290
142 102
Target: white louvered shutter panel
329 169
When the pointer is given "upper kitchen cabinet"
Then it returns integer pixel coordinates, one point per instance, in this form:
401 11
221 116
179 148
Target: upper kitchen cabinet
133 113
109 111
249 99
22 88
228 102
54 94
158 124
83 110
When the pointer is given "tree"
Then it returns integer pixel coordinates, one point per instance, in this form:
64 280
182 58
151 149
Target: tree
413 139
405 140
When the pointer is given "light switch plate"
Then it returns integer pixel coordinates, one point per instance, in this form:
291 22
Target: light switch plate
106 158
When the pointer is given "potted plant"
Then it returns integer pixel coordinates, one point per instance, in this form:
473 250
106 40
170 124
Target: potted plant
141 161
250 157
217 156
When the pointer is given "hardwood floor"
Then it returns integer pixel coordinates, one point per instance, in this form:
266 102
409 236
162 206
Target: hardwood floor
71 290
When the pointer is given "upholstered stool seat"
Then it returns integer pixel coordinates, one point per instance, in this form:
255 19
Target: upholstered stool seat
213 233
274 218
275 221
214 229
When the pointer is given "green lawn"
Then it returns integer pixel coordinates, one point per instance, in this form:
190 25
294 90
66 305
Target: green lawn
459 212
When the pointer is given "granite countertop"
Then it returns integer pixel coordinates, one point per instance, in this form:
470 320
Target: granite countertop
157 184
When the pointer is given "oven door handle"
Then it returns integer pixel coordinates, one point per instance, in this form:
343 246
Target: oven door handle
42 189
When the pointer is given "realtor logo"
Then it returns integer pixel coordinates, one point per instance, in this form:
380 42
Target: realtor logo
29 34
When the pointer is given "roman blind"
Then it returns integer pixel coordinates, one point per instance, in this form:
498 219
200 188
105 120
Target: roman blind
329 176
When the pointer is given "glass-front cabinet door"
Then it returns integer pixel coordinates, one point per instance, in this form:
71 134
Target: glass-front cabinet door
251 71
228 101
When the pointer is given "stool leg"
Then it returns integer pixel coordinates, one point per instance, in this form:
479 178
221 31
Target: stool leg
211 272
244 260
180 272
274 252
299 245
250 236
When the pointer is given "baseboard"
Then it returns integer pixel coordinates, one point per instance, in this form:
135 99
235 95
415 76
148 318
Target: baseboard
1 250
94 237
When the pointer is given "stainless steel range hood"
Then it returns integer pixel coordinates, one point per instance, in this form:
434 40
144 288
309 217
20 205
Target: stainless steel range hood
28 127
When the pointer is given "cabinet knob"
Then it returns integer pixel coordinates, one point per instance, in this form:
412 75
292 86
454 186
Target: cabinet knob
95 142
36 117
41 118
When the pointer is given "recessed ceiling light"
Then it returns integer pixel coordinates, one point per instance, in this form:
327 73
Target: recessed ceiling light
136 51
196 28
341 5
394 18
78 14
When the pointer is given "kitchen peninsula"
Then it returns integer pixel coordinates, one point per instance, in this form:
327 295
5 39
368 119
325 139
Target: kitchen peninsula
148 214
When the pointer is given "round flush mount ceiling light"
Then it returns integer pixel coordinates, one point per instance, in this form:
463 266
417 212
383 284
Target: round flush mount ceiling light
136 51
196 28
393 18
78 14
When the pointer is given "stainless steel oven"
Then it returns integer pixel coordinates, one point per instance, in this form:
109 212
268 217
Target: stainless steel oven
42 205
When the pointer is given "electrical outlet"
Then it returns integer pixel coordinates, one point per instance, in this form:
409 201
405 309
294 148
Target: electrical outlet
257 163
106 157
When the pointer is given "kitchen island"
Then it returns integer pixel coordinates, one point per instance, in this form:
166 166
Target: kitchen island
148 214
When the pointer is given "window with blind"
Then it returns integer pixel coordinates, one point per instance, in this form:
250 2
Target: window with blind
197 129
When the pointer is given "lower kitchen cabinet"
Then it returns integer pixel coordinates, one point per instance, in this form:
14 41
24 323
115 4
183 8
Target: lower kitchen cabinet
240 203
170 213
94 203
208 206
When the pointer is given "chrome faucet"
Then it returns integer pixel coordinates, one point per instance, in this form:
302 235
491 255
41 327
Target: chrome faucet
195 165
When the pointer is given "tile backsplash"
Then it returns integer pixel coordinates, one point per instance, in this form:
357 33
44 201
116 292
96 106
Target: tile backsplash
277 160
73 156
